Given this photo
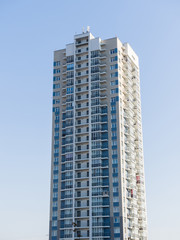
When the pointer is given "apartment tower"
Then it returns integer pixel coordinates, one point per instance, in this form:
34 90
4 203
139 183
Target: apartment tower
97 175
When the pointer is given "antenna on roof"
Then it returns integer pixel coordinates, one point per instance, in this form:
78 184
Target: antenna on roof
83 29
88 28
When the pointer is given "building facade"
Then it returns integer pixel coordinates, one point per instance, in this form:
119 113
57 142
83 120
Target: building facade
97 175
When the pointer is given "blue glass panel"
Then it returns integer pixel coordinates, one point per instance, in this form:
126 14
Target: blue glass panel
115 184
107 232
115 194
113 111
115 204
54 228
53 238
55 190
106 201
115 174
113 120
116 224
116 214
114 147
117 235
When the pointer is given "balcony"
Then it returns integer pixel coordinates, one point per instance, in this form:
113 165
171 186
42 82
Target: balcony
82 90
83 107
81 42
82 166
82 175
81 59
82 205
83 66
103 56
82 82
82 98
103 49
82 196
81 51
83 186
83 149
83 115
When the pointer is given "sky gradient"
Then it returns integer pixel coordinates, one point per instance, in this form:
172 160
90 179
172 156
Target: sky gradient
30 31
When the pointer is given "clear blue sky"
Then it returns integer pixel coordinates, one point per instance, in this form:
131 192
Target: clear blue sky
30 31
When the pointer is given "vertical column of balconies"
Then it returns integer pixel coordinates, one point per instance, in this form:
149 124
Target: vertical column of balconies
135 194
142 224
55 151
99 147
81 104
116 144
66 202
129 149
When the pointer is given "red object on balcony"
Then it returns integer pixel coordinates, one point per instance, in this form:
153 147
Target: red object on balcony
132 193
137 179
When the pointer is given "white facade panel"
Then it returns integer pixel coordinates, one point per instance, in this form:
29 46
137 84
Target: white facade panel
70 49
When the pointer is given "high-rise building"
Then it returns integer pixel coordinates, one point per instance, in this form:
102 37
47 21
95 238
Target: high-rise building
97 176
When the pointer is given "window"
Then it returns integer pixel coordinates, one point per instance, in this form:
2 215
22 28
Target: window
94 69
114 161
112 67
56 70
55 195
70 59
56 101
56 134
113 99
112 51
115 189
115 180
56 159
70 66
95 54
113 91
70 74
115 170
54 223
114 152
56 142
114 143
55 86
95 61
57 63
56 94
116 220
56 78
55 168
95 77
113 125
116 230
115 74
54 233
115 209
70 90
113 116
56 150
55 204
114 134
115 82
113 108
113 59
